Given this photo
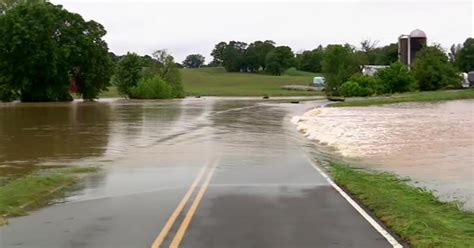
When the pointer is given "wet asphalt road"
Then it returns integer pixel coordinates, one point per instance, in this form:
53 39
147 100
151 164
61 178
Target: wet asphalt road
257 188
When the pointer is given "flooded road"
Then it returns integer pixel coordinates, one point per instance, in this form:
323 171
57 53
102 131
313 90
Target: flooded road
236 167
432 143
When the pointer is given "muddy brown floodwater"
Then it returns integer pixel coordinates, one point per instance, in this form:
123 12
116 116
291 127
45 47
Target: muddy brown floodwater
432 143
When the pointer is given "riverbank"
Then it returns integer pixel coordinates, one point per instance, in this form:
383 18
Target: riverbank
415 214
424 96
18 195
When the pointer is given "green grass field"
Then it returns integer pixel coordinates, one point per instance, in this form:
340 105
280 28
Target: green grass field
424 96
414 213
215 81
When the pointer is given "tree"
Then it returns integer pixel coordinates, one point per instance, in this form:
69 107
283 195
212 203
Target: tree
310 60
194 61
218 53
368 47
433 70
279 59
43 47
454 52
9 4
396 78
339 64
386 55
233 58
256 54
128 73
465 56
166 69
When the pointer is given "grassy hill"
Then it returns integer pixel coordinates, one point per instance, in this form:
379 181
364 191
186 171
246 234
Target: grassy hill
215 81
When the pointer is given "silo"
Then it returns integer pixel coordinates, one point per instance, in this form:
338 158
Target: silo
417 41
403 49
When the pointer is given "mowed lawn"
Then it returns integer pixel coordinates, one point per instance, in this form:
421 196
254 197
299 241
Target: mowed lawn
215 81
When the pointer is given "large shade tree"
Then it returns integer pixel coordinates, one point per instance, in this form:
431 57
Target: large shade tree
279 59
465 56
194 61
339 64
433 70
43 48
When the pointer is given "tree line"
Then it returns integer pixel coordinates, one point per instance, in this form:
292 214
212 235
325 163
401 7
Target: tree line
47 52
432 70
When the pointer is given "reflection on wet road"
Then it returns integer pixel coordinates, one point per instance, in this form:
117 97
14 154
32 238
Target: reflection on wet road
262 192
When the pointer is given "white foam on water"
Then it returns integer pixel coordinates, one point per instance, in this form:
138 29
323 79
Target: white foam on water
430 142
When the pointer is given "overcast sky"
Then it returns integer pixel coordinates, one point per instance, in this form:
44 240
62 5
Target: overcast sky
195 27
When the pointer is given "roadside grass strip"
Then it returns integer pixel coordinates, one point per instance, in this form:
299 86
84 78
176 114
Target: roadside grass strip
18 195
415 214
427 96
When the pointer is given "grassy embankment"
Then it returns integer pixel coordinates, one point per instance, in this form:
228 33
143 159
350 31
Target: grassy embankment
17 195
215 81
414 213
425 96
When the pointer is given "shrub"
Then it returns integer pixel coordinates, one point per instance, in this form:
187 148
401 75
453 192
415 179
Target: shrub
151 88
361 85
395 78
351 88
433 70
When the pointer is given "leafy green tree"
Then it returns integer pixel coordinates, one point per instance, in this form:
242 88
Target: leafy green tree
234 56
433 70
371 54
396 78
310 60
218 53
128 73
43 47
256 54
339 64
165 67
194 61
386 55
279 60
9 4
368 48
465 56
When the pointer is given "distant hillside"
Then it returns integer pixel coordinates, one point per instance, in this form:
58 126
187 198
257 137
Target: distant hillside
215 81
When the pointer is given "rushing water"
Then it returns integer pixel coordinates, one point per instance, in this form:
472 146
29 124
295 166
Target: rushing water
140 137
432 143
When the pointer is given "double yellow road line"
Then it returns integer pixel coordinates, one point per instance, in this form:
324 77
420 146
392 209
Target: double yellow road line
207 171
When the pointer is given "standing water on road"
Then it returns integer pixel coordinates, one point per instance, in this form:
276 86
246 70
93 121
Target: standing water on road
432 143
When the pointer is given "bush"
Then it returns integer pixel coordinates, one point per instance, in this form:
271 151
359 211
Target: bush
361 85
433 70
151 88
351 88
395 78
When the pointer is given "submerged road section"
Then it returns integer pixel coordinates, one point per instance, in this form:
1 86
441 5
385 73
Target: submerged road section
209 172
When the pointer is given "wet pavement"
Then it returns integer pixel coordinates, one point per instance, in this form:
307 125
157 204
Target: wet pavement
241 161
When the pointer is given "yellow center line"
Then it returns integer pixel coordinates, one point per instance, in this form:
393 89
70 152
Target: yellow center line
184 225
161 237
